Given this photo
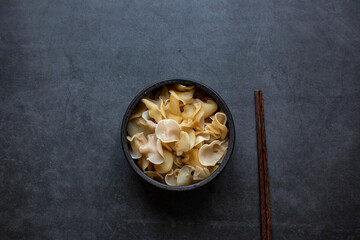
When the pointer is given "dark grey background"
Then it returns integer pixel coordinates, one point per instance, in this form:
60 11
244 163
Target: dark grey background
69 69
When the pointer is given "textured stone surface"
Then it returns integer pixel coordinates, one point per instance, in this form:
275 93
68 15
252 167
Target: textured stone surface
69 69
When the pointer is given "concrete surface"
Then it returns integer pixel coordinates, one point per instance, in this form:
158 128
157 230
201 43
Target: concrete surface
69 69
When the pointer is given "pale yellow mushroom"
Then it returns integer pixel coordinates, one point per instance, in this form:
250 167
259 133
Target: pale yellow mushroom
224 146
184 97
201 173
210 154
186 142
185 177
187 123
134 128
178 162
136 142
191 110
168 130
192 158
155 108
153 150
209 107
218 128
201 136
171 178
172 109
146 122
199 122
167 145
166 166
143 163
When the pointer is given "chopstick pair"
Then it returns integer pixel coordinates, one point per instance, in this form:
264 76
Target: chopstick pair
265 211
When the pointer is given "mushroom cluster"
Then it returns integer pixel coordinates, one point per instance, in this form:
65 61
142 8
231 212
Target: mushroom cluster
178 136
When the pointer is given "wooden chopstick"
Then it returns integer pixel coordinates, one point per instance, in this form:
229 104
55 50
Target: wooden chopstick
265 211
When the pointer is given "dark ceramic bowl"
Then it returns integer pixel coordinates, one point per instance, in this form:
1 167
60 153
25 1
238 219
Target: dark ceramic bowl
126 146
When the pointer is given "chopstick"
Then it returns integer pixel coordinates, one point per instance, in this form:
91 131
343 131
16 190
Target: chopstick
265 211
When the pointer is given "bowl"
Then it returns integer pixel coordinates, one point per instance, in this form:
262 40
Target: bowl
211 93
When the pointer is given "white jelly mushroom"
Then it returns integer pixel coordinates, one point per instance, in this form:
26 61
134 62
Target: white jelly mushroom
143 163
166 166
178 163
146 122
185 97
186 142
209 107
210 154
202 136
201 173
217 128
133 128
192 158
185 178
136 142
168 130
153 150
171 178
154 107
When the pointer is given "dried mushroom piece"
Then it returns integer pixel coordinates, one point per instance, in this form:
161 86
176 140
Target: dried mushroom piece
192 158
168 130
210 154
218 128
153 150
186 142
167 165
171 178
185 176
201 173
185 97
143 163
155 108
136 141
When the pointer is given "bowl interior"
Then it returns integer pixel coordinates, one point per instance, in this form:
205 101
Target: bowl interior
211 93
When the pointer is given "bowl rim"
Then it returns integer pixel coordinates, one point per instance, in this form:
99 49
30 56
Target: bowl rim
215 96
